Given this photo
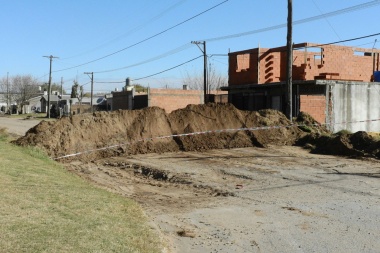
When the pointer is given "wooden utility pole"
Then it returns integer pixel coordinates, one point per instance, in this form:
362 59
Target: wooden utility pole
205 88
49 89
289 54
8 96
92 87
61 85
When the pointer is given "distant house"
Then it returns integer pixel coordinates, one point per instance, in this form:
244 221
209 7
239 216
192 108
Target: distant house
3 104
99 103
334 84
55 99
32 105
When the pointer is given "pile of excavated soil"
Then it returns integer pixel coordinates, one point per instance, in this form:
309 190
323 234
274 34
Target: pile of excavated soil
132 132
359 144
124 132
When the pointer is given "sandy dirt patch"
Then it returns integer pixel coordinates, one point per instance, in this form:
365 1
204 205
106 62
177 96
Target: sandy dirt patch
274 199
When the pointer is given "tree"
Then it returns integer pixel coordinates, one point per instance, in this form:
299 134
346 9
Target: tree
215 80
77 92
18 89
4 90
139 87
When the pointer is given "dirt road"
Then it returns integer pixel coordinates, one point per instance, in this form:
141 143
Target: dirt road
277 199
17 126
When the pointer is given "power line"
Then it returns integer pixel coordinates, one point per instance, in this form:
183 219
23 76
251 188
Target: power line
169 68
318 45
171 52
332 43
111 82
330 14
328 22
137 28
342 41
151 37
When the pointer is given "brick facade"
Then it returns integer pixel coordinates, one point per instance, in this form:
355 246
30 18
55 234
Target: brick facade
171 100
315 105
254 75
310 62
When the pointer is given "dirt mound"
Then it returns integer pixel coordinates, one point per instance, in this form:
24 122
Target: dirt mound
214 117
216 126
130 132
359 144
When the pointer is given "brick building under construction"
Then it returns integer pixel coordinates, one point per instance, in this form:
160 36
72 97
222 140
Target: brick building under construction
337 85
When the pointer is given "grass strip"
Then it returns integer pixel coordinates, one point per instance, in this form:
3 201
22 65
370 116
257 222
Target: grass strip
44 208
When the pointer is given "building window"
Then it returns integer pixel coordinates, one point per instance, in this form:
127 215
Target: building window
360 53
242 62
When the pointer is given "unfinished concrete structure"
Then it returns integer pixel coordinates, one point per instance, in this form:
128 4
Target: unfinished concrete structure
334 84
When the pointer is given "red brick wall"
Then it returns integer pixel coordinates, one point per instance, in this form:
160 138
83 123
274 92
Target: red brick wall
243 76
307 64
171 100
168 99
315 105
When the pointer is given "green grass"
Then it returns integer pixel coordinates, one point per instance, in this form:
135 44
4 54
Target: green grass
45 208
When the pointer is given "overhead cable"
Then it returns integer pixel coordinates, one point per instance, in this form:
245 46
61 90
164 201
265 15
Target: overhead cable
151 37
171 52
112 82
328 22
341 41
330 43
329 14
137 28
168 69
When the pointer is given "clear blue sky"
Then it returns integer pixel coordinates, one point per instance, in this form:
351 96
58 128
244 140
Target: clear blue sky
135 32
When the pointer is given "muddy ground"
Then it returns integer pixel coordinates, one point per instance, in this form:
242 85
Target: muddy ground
229 191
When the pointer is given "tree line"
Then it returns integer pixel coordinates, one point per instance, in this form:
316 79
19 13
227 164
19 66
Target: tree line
18 89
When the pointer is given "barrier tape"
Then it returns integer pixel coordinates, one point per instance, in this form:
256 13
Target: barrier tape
209 132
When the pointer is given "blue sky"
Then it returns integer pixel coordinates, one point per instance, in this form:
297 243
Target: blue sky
132 37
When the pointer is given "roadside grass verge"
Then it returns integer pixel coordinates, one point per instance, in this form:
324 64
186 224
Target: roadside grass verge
44 208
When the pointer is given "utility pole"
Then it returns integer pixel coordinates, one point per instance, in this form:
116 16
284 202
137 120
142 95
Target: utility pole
205 88
289 47
61 85
8 96
92 87
49 89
